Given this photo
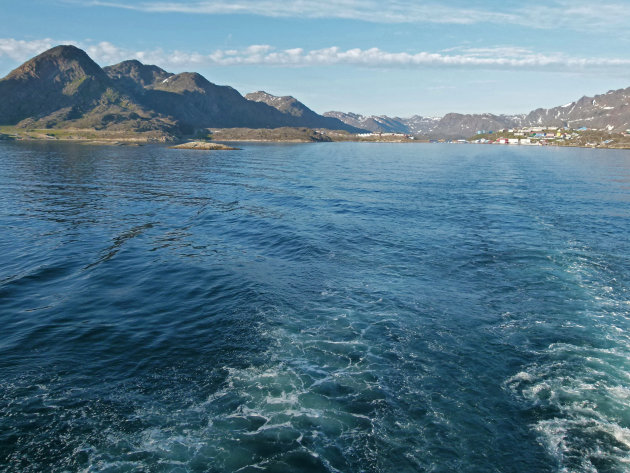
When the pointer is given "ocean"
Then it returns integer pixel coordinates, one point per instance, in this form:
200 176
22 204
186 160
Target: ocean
330 307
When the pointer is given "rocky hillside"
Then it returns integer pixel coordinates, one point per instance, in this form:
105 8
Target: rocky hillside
63 87
419 125
300 114
610 111
457 125
191 100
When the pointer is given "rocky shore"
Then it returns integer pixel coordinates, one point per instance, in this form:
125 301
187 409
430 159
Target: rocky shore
204 145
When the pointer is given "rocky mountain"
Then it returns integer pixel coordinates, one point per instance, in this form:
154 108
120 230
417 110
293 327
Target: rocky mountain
415 125
419 125
375 124
457 125
63 88
61 78
191 100
452 125
300 114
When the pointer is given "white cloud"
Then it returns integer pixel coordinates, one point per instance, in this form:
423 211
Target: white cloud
19 50
385 11
266 55
570 14
580 15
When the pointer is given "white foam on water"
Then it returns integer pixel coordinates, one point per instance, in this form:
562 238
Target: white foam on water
296 402
580 392
585 421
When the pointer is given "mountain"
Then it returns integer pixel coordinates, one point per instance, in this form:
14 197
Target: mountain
61 78
300 113
64 88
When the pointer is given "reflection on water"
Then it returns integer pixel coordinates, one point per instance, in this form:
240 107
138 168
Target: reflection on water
324 307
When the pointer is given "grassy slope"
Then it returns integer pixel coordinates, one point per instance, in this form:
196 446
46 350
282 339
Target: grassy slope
85 134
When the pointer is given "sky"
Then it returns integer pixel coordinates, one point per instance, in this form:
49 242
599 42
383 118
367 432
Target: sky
374 57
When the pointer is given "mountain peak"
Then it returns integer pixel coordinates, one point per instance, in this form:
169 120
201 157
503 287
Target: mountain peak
135 65
261 93
63 59
130 63
133 73
185 82
67 51
286 104
266 97
62 80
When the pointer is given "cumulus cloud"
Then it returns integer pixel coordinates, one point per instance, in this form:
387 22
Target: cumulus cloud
19 50
266 55
572 14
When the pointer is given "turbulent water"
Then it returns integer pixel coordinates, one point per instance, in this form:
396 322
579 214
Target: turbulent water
314 308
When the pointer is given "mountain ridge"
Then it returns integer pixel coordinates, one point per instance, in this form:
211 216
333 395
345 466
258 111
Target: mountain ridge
609 111
64 88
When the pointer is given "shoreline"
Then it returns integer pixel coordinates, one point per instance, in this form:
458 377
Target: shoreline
545 146
96 137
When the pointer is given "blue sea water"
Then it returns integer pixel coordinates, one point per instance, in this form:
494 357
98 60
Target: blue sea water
330 307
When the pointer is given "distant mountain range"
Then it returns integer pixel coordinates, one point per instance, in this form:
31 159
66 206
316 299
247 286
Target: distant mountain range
415 125
610 111
64 88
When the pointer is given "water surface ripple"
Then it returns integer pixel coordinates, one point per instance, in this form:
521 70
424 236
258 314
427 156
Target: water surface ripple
314 308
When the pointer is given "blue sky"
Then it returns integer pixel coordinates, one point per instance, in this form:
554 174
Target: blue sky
372 57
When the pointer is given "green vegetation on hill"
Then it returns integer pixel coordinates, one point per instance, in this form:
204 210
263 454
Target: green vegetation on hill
268 134
84 134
